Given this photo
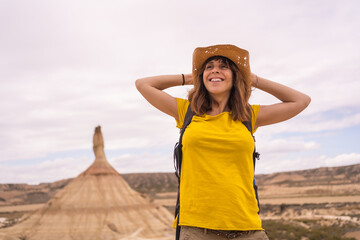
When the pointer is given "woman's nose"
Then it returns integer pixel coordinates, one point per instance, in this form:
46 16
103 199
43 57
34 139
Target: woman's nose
215 70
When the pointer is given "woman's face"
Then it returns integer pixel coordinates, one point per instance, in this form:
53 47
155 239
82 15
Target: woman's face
218 78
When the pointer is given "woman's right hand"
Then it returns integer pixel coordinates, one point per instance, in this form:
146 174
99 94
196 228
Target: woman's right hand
254 80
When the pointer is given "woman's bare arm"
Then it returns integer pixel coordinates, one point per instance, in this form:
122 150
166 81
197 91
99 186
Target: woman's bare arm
293 102
151 88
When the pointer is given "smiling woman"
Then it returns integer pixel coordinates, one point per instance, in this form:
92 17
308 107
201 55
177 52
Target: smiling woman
217 170
221 78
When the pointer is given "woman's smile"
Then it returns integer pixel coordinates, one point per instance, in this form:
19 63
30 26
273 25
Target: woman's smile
216 80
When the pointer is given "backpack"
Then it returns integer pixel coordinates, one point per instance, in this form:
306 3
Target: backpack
178 160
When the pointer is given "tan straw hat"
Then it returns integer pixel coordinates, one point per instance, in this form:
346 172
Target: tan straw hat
239 56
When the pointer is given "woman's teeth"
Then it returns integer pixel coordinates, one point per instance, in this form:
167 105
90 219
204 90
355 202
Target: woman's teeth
215 80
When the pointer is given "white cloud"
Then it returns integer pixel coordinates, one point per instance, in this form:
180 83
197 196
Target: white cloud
48 171
70 167
143 162
285 145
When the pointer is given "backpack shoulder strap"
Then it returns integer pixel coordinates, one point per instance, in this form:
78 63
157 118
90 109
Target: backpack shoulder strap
177 164
256 156
187 120
248 125
178 146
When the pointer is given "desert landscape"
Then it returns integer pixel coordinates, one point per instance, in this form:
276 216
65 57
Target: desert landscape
322 203
97 204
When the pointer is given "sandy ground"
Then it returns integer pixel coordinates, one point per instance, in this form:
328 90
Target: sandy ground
285 191
20 208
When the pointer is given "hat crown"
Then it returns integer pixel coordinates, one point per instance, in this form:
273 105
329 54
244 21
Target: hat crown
239 56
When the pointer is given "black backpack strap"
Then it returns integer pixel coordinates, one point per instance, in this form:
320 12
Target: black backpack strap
177 165
178 146
256 156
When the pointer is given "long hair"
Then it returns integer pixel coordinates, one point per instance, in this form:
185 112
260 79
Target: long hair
238 102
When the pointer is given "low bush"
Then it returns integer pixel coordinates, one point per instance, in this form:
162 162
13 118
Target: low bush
281 230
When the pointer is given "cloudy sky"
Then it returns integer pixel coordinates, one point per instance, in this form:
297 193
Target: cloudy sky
68 66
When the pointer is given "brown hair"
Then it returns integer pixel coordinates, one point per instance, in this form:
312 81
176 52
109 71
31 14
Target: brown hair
240 93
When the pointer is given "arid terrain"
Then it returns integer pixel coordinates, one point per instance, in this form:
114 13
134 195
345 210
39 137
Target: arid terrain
322 203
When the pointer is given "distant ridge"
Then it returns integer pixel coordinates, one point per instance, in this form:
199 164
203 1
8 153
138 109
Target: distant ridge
152 183
315 176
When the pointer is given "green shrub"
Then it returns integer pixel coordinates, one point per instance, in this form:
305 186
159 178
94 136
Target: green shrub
281 230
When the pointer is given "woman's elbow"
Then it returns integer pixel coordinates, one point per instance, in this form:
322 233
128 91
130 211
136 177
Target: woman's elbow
305 101
139 83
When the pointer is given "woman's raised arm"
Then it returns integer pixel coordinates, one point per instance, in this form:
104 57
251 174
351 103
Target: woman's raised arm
151 88
293 102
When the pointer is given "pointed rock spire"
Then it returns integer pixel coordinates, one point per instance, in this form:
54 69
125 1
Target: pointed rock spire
98 143
100 166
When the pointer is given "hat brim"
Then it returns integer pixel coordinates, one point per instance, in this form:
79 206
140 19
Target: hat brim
238 55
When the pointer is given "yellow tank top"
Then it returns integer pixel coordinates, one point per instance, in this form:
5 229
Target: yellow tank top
217 173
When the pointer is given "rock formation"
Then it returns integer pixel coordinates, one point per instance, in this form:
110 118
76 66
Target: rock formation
98 204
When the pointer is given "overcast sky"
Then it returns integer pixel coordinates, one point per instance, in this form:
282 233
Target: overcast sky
68 66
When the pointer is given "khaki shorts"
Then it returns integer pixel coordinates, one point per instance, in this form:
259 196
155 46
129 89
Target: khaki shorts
194 233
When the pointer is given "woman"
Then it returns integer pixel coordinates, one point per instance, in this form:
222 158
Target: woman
217 196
